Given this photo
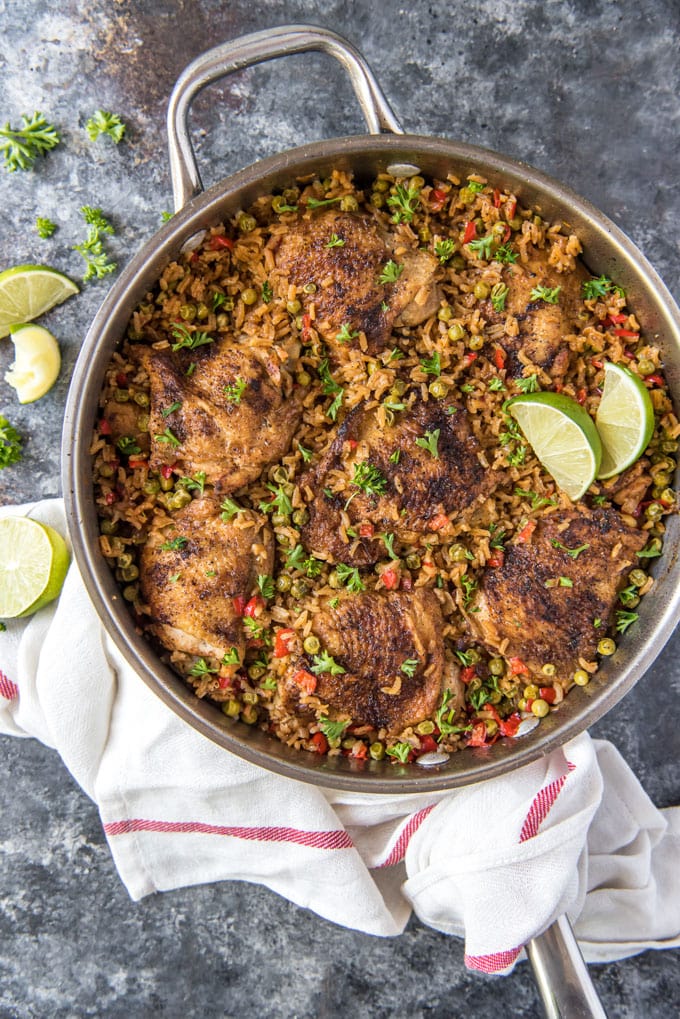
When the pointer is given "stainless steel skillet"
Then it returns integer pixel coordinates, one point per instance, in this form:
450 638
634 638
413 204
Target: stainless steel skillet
607 251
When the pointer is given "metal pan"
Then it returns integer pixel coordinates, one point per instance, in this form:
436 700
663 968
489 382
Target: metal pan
607 251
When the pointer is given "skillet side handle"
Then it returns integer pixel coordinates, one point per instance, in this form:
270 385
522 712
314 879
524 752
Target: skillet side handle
254 49
561 974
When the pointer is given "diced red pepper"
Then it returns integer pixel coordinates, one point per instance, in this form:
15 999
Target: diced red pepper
110 498
656 380
508 233
104 427
630 333
166 471
497 558
220 241
282 642
390 579
352 443
438 521
437 199
193 257
517 667
306 324
239 603
548 694
468 673
470 357
470 232
478 736
359 751
499 356
306 680
121 379
428 745
138 463
581 396
509 726
366 530
596 363
512 209
224 682
612 320
254 606
526 532
497 198
320 743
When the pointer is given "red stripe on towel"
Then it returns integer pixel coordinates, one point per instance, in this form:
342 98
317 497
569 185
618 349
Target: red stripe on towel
398 851
492 963
541 805
312 839
8 689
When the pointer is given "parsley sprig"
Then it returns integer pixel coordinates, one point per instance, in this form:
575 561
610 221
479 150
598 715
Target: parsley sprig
104 122
184 339
97 263
551 295
369 478
326 663
409 666
22 146
404 203
333 729
45 227
349 575
444 249
391 272
430 442
10 444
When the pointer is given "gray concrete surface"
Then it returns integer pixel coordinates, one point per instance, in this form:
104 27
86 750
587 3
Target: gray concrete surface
587 90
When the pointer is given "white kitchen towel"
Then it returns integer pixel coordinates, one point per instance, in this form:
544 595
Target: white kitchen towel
493 863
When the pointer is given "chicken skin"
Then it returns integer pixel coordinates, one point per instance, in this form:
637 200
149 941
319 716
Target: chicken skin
555 594
542 325
191 571
408 489
232 416
343 255
371 637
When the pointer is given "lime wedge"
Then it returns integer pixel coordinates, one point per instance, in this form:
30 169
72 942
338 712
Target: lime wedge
624 419
36 362
33 564
563 437
27 291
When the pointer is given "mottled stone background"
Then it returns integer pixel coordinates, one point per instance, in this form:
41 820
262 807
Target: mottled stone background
587 90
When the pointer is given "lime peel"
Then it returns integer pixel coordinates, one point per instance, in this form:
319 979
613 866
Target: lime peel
563 436
624 419
34 561
37 362
27 291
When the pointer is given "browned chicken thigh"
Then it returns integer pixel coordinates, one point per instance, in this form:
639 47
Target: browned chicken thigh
542 325
555 594
191 570
371 637
407 489
343 255
232 416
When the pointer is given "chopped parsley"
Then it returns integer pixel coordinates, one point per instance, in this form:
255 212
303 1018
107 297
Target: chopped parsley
388 541
444 249
266 585
175 545
529 384
496 385
505 255
537 501
465 658
235 391
499 294
96 218
231 658
395 354
444 717
573 553
45 227
22 146
175 577
255 629
598 287
432 365
171 409
97 264
104 122
650 551
629 595
195 484
551 295
280 502
401 751
403 203
295 558
409 666
330 388
316 203
469 587
201 668
482 247
128 446
230 509
475 186
326 663
168 437
349 576
346 334
369 478
183 338
306 454
333 729
335 242
394 457
430 442
267 292
625 619
391 272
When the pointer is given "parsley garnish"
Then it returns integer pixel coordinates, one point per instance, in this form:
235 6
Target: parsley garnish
267 292
409 666
404 203
475 186
201 668
332 730
184 338
334 602
335 406
326 663
529 384
469 587
388 540
350 578
573 553
235 391
629 595
281 503
598 287
369 478
169 437
624 620
255 629
21 147
96 259
316 203
482 246
330 387
266 585
306 454
195 484
335 242
346 334
650 551
550 295
537 501
395 355
401 751
231 657
444 249
499 294
295 558
128 446
464 658
230 509
10 444
175 545
432 365
45 227
95 217
429 442
394 457
171 409
496 385
103 122
505 255
391 272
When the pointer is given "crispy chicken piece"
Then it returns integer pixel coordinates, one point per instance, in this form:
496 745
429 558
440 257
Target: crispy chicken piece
346 277
234 415
418 490
542 326
544 602
371 635
216 561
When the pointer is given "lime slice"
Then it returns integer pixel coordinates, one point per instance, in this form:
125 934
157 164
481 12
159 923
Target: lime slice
624 419
33 564
36 362
27 291
563 437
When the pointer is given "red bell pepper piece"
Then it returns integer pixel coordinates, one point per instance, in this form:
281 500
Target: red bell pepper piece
526 532
220 241
470 232
104 427
239 603
512 209
508 234
499 357
581 396
254 606
630 333
497 558
306 324
366 530
390 579
478 736
470 357
428 745
138 463
468 673
517 667
437 522
320 743
282 642
656 380
166 471
497 198
547 693
306 680
437 199
359 751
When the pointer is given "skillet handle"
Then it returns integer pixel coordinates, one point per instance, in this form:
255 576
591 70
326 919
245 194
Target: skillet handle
561 974
254 49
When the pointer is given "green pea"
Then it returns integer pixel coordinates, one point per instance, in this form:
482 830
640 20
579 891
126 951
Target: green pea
606 647
256 671
458 553
377 200
166 484
445 313
130 592
581 677
646 367
473 655
188 312
349 204
662 479
249 697
249 295
280 475
124 560
425 728
299 588
142 422
283 583
121 395
540 708
277 202
381 185
222 321
413 561
304 378
515 223
466 196
496 666
106 471
481 291
377 751
309 288
300 517
246 223
399 387
334 580
108 527
549 669
668 497
654 511
669 446
231 708
425 234
293 307
498 229
311 644
249 714
456 332
141 399
279 519
476 342
130 573
638 578
202 311
417 183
